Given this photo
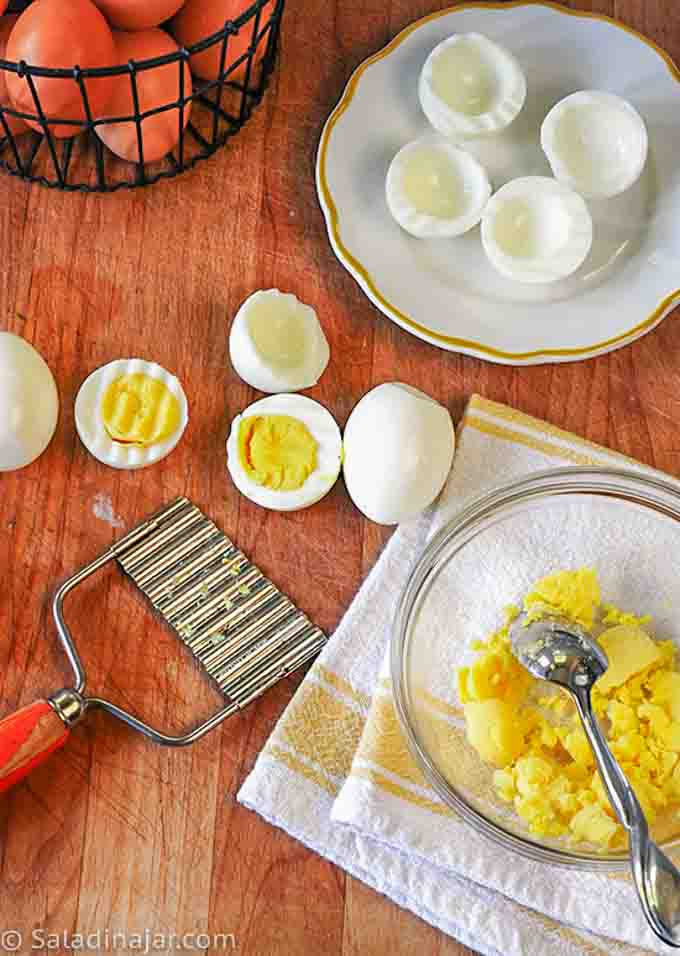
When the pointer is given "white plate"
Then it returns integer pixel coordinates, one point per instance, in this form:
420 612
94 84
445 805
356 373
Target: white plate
444 290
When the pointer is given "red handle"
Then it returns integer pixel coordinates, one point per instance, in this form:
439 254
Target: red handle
27 738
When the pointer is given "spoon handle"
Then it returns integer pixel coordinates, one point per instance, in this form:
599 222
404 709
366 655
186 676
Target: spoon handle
657 880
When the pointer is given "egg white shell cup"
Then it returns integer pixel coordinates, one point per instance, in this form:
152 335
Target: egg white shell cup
399 446
90 423
492 61
474 188
559 222
324 430
253 346
29 402
595 142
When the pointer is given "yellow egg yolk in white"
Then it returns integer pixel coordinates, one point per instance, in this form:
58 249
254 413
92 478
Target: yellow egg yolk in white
141 410
544 766
431 184
284 452
277 451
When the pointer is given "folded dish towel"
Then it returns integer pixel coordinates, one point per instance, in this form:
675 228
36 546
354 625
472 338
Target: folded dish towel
336 773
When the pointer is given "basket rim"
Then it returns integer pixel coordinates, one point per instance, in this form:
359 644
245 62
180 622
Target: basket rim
230 28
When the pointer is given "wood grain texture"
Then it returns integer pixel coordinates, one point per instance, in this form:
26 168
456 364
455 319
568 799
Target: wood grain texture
115 832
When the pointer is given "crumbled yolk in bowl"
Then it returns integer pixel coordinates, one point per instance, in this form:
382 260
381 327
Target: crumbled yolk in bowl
277 451
533 737
139 410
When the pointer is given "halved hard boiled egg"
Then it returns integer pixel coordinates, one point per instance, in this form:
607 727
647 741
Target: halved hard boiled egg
535 229
276 343
595 142
131 413
399 447
29 403
284 452
434 189
471 86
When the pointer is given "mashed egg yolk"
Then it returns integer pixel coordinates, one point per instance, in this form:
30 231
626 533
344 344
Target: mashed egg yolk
277 451
533 737
140 410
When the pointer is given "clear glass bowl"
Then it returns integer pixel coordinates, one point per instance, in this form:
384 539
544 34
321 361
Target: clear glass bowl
623 523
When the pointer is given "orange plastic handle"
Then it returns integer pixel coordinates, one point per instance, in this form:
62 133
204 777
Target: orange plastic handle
27 738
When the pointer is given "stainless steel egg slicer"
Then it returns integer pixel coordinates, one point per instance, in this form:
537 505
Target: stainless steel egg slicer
244 633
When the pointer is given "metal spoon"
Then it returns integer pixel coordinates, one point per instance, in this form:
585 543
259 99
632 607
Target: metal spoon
558 651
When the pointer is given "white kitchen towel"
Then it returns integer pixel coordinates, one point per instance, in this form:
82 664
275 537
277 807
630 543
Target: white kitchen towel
336 773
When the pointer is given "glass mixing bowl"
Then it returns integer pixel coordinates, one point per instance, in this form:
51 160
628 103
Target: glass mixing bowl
623 523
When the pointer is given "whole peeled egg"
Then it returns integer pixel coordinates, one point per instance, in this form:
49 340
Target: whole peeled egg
29 403
398 451
155 88
53 34
133 15
199 19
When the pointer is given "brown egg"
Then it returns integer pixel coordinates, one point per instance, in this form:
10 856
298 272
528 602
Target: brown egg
137 14
15 124
55 34
198 19
156 87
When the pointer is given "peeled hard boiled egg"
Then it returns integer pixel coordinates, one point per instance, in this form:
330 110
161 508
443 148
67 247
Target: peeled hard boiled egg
51 34
135 15
29 403
471 86
276 343
284 452
131 413
155 88
399 447
535 229
435 190
595 142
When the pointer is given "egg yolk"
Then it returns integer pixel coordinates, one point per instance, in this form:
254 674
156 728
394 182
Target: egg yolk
277 451
139 410
533 738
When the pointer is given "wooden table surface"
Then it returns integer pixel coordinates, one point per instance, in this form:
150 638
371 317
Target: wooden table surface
116 832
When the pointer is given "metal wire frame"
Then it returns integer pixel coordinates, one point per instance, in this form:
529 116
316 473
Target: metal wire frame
219 108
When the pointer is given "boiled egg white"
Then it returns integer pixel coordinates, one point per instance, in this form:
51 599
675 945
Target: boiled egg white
399 447
29 403
535 229
434 189
596 143
284 452
276 343
471 87
131 413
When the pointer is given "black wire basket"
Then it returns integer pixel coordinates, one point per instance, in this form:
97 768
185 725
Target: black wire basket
217 110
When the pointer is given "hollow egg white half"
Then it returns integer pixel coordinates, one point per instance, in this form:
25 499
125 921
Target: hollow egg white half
596 143
322 428
90 423
398 447
276 343
435 190
471 87
535 229
29 403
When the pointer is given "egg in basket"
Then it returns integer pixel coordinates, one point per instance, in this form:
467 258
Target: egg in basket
154 87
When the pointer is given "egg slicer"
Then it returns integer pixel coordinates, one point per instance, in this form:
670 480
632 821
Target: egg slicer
244 633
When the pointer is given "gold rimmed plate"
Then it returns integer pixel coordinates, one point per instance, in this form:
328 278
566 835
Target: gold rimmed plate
444 290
